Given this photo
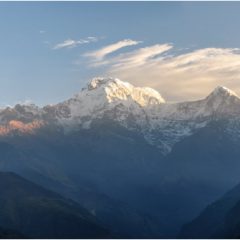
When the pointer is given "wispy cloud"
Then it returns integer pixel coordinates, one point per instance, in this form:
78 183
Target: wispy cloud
42 31
191 74
140 56
103 52
70 43
186 76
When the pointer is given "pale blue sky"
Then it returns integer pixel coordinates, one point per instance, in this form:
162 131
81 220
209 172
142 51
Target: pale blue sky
30 69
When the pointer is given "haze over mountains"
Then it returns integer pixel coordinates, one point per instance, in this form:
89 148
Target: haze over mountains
141 167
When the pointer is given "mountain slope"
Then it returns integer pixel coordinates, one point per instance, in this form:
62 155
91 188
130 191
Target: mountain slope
39 213
219 220
199 169
231 227
81 167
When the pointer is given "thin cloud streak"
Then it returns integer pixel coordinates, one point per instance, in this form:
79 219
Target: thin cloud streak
103 52
70 43
140 56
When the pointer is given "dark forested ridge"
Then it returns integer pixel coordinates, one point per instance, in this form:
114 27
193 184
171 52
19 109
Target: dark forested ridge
34 212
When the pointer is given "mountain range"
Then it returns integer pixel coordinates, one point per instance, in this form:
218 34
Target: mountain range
134 108
140 166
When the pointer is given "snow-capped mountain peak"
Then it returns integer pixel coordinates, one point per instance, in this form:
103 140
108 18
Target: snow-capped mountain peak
102 96
222 91
114 89
222 101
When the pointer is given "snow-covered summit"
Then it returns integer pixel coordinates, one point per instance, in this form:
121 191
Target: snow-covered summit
222 101
115 89
102 96
223 92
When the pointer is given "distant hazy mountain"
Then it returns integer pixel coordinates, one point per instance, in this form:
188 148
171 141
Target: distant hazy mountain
157 165
39 213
